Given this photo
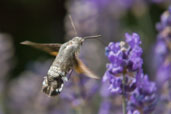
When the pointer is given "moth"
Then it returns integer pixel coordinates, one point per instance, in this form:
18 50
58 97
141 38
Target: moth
65 62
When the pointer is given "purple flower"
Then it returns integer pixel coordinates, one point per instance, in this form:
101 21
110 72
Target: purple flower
135 58
165 20
163 74
163 47
163 50
133 40
133 112
126 64
123 61
104 91
144 98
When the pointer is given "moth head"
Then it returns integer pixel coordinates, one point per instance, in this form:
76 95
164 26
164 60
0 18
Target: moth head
80 40
77 40
74 45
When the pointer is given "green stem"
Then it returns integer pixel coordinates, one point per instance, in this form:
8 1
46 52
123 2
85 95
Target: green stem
124 102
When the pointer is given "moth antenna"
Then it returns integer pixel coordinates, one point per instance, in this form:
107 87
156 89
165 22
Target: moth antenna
92 37
73 25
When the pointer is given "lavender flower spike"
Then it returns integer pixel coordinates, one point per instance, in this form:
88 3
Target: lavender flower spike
125 75
163 52
143 99
123 61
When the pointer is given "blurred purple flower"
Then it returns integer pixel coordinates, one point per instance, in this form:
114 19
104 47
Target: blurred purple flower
121 3
98 16
79 90
110 105
105 107
163 46
25 95
165 20
163 50
163 74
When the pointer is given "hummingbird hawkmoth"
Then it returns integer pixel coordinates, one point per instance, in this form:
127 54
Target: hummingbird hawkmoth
66 60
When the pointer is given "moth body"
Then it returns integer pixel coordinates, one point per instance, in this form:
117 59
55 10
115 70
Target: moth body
62 65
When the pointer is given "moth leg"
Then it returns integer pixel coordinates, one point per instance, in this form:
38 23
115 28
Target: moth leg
51 90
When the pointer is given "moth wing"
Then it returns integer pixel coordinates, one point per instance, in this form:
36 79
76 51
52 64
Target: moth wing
81 68
51 48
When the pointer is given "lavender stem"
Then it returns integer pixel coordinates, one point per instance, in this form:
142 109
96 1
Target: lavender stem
124 102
